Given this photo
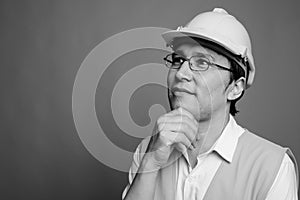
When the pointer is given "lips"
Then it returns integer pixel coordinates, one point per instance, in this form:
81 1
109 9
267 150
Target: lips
181 89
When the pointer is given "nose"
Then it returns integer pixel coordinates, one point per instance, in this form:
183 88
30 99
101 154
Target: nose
184 72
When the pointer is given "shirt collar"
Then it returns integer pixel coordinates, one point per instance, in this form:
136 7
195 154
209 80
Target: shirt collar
226 144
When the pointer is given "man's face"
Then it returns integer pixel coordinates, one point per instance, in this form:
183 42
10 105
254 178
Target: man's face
206 93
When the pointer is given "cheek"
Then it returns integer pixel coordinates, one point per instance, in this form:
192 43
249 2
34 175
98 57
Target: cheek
203 95
210 89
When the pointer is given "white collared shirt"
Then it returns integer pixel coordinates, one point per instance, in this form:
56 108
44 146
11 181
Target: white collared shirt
192 184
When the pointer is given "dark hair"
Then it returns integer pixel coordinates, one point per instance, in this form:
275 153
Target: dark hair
237 72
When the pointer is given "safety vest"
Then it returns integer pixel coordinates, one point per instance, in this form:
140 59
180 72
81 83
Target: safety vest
252 171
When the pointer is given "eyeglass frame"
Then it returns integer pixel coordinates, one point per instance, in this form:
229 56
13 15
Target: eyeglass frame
210 63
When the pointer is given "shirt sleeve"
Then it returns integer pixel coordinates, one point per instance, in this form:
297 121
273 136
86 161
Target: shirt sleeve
137 157
285 184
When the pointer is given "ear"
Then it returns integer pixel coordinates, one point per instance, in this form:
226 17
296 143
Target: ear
236 89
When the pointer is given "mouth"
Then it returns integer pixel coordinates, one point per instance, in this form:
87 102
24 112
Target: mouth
180 90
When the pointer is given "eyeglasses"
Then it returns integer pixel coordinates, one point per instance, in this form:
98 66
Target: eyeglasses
197 63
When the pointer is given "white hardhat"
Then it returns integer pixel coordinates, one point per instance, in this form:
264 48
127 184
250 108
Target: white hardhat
219 27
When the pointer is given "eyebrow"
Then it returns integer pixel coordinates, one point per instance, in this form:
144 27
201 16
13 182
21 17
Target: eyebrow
178 52
181 53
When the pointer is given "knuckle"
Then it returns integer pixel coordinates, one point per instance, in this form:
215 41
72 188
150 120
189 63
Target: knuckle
159 120
163 134
184 126
160 127
185 118
166 138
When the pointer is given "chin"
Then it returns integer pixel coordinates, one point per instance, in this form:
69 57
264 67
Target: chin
187 105
175 102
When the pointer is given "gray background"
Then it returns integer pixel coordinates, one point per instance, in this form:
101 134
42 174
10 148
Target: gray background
42 45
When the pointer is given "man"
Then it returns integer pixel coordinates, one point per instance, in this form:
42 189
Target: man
198 150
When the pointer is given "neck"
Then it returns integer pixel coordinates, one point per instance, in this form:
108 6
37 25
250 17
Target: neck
210 130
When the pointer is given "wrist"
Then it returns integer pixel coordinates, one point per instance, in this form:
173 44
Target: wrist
149 164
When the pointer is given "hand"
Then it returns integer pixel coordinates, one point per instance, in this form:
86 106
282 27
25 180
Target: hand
176 129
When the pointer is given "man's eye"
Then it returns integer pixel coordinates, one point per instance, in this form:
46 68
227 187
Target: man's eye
201 62
177 60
